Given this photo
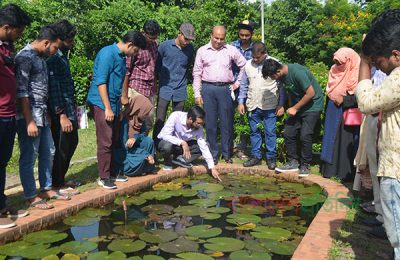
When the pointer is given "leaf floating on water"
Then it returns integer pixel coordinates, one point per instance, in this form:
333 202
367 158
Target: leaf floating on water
224 244
245 255
194 256
241 219
158 208
247 226
203 202
132 229
126 245
49 257
158 236
45 237
15 248
217 254
152 257
208 187
203 231
189 211
280 248
273 233
167 186
219 210
77 247
179 245
70 257
210 216
39 251
137 201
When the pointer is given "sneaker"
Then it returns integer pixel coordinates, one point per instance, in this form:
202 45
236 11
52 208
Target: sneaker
13 213
304 170
378 232
107 184
252 162
168 168
291 166
180 161
6 223
271 164
120 178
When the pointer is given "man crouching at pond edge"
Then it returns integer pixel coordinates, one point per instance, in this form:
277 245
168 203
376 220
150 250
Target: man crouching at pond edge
182 137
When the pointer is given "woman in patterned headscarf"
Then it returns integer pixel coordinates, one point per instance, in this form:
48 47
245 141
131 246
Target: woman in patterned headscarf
340 141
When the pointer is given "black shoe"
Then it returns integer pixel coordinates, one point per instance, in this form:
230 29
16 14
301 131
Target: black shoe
180 161
378 232
291 166
271 164
215 161
228 160
371 222
119 178
252 162
107 184
304 170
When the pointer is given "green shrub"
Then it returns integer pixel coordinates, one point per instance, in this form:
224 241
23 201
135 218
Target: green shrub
81 70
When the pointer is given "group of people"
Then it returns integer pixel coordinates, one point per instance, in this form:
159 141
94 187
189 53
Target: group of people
135 80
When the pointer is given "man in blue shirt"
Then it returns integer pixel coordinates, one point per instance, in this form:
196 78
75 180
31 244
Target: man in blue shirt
104 98
174 58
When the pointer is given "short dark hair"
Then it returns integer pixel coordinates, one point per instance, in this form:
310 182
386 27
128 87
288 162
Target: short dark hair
259 47
65 29
14 16
151 27
136 38
196 112
48 32
384 35
270 67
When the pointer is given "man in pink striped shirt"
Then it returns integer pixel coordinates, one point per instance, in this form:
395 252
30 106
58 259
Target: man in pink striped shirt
213 82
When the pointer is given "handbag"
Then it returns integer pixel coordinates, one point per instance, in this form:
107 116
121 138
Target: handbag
352 117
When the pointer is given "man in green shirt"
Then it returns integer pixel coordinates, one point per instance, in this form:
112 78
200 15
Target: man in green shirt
305 106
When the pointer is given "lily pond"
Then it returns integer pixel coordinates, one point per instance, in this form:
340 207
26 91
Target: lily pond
244 217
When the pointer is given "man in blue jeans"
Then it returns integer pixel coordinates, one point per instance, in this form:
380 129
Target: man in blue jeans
264 102
12 23
34 133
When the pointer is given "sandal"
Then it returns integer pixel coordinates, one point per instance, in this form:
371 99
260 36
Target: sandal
54 196
72 184
40 204
68 191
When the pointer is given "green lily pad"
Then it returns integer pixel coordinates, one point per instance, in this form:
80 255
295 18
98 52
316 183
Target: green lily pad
240 219
188 192
15 248
266 196
132 229
76 247
137 201
245 255
255 246
250 209
210 216
291 186
271 221
152 257
95 212
49 257
194 256
280 248
179 245
189 211
203 202
158 236
224 244
309 200
208 187
158 208
219 210
80 220
167 186
273 233
70 257
156 195
3 257
103 255
223 194
97 239
203 231
45 237
126 245
39 251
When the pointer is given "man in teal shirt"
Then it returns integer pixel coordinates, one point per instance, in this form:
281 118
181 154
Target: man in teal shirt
104 98
305 105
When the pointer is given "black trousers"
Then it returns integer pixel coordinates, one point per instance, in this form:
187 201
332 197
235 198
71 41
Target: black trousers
168 149
304 124
161 113
65 144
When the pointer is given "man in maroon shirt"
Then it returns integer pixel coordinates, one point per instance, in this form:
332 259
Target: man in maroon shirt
12 23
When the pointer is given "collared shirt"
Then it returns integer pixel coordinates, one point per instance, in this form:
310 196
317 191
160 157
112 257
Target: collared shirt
385 99
216 65
247 54
175 131
61 86
172 67
109 69
8 84
32 82
141 70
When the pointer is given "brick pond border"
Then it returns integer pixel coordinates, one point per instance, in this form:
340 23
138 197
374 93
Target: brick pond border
314 245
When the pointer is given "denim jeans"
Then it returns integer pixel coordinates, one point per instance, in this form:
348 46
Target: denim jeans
42 147
390 199
7 136
268 116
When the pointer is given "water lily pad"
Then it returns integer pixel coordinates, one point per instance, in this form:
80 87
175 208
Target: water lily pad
203 202
255 246
194 256
45 236
152 257
158 208
188 193
240 219
49 257
137 201
309 200
273 233
291 186
210 216
224 244
40 251
97 239
167 186
3 257
223 194
203 231
189 211
70 257
245 255
103 255
280 248
126 245
95 212
81 220
179 245
271 221
132 229
77 247
15 248
208 187
158 236
219 210
249 209
266 196
248 226
156 195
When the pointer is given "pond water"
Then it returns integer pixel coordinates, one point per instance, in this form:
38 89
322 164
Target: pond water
244 217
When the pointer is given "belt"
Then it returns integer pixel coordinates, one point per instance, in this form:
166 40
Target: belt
217 83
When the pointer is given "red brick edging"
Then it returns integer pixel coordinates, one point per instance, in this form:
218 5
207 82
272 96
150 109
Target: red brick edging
315 244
